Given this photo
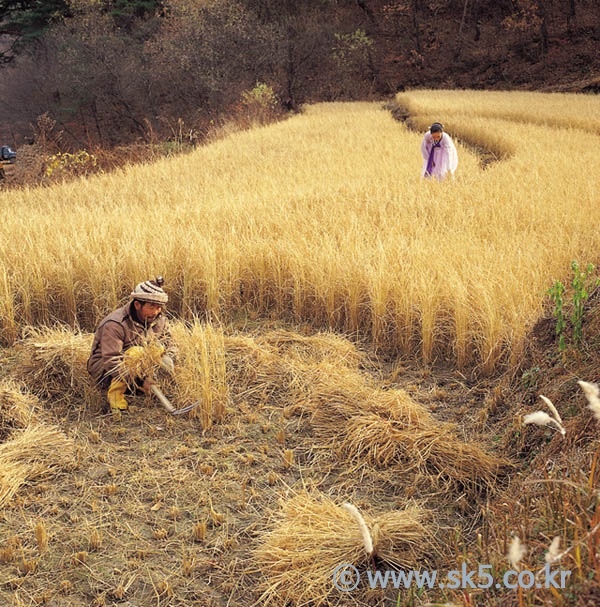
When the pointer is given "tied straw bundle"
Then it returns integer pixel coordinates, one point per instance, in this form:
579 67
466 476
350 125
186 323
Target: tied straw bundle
312 536
54 364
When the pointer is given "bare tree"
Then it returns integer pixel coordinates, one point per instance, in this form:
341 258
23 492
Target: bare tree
415 22
460 31
531 18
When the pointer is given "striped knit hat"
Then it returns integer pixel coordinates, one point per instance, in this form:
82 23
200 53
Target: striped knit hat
150 291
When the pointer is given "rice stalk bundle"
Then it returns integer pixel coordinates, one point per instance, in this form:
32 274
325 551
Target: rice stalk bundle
383 428
279 366
140 361
255 370
314 349
340 392
466 462
312 536
36 452
18 407
400 536
54 362
200 372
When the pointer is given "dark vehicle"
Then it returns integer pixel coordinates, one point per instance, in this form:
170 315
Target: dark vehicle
7 157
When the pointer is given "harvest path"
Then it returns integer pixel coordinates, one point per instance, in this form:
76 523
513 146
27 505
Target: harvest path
323 218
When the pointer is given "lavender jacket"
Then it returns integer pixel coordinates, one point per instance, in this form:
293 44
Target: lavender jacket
445 158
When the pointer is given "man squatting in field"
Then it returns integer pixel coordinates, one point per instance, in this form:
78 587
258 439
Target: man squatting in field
439 153
124 329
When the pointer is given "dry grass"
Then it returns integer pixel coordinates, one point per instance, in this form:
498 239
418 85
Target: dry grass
18 407
312 535
36 452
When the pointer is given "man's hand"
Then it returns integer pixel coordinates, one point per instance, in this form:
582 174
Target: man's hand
148 383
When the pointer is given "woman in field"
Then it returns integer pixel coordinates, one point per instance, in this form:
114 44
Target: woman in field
439 153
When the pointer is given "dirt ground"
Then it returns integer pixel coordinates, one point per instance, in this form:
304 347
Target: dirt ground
154 511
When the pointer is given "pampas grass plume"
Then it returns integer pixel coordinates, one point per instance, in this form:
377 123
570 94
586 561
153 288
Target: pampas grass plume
516 552
552 408
540 418
553 554
592 393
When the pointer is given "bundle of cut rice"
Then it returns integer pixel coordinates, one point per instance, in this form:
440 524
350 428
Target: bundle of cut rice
363 424
36 452
312 536
255 371
18 407
341 392
315 349
53 363
277 366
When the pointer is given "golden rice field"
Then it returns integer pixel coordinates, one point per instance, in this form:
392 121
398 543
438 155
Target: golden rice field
324 218
558 110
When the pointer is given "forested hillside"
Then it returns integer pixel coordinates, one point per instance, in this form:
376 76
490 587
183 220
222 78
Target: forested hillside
112 72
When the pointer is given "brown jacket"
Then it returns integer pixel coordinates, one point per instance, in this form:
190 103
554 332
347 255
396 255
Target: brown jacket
118 332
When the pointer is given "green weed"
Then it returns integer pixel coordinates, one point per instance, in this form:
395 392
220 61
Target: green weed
582 285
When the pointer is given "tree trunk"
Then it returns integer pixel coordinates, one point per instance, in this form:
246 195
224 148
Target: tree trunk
460 30
85 128
290 102
373 72
95 115
367 11
415 6
543 30
571 16
476 6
